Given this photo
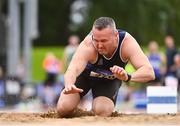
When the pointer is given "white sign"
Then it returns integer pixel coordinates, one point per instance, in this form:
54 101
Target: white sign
161 99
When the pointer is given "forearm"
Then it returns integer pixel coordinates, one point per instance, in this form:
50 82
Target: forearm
73 72
82 56
143 74
69 77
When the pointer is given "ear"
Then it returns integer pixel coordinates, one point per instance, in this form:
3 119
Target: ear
116 33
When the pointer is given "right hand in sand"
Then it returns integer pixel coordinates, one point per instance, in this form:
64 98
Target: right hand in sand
71 89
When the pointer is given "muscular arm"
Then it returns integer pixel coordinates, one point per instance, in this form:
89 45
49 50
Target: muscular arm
133 53
83 55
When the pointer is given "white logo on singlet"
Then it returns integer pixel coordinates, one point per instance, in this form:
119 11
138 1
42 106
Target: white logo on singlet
100 75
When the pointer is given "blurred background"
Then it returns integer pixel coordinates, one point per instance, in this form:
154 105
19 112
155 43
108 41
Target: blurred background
39 37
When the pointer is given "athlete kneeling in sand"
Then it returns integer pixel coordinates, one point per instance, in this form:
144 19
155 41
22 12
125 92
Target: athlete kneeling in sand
98 64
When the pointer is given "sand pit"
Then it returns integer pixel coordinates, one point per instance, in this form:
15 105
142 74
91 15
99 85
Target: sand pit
86 118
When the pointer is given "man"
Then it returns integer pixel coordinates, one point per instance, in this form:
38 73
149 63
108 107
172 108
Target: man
171 51
157 60
98 64
73 43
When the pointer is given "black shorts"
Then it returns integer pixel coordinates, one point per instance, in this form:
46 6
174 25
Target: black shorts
99 86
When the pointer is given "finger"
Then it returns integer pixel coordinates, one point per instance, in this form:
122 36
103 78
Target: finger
64 91
113 69
123 73
69 88
117 70
77 89
67 92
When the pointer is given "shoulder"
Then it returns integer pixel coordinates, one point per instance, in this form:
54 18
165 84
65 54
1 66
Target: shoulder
128 37
87 48
88 40
87 43
129 43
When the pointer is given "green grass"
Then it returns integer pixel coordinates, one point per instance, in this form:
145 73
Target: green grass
38 54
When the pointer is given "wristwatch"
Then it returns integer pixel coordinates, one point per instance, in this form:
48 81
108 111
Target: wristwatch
129 78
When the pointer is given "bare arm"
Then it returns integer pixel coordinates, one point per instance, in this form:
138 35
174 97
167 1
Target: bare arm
133 53
84 54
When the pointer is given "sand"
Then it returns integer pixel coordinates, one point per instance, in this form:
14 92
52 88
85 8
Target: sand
87 118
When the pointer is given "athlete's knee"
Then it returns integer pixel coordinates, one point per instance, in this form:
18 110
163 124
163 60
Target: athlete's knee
103 109
64 108
67 103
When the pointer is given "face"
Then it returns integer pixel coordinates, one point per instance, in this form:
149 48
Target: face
74 40
153 47
105 40
169 42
